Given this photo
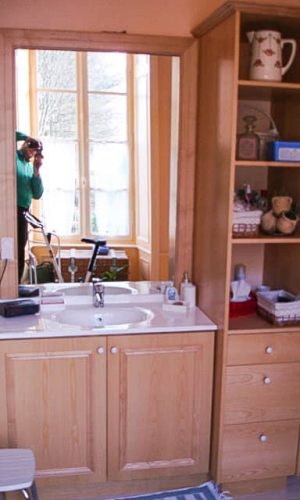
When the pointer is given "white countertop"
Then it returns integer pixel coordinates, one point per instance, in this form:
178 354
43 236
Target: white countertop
45 324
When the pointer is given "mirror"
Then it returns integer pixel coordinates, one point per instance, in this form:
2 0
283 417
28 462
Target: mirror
109 125
187 50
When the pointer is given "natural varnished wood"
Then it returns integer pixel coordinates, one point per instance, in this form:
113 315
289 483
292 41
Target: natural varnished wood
7 175
108 41
55 403
271 488
253 323
113 489
281 347
64 40
160 134
246 457
187 160
213 181
236 456
249 398
159 405
253 9
73 400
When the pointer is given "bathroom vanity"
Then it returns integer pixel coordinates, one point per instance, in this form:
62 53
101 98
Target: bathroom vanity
110 403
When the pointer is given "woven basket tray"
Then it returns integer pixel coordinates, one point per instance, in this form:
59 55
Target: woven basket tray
279 313
246 224
243 230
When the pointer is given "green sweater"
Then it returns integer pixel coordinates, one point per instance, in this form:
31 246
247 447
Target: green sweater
29 186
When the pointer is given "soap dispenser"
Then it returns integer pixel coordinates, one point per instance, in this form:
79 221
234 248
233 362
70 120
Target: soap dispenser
187 290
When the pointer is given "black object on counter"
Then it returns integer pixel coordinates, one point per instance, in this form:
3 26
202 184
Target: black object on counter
14 308
25 291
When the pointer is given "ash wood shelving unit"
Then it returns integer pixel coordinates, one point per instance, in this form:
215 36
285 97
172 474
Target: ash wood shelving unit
255 427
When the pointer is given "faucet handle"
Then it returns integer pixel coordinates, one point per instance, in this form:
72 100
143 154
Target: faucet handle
96 280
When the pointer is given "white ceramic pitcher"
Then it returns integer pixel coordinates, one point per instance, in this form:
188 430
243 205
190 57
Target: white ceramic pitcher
266 54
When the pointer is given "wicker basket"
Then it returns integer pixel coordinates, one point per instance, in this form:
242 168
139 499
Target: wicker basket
279 313
246 224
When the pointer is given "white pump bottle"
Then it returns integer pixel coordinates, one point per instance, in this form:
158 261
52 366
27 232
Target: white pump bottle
187 291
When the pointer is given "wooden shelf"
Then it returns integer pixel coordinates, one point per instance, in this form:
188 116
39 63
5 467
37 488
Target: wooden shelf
261 90
285 86
268 164
265 239
252 323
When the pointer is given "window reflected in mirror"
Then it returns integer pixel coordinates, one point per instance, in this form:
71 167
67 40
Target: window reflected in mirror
107 127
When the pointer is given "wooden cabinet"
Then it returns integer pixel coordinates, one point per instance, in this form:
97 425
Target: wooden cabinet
53 400
101 409
159 405
257 362
261 406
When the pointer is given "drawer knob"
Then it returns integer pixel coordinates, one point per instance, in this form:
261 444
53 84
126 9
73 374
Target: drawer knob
269 349
114 350
263 438
100 350
267 380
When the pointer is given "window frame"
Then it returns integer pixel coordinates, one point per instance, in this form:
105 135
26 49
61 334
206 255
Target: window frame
82 96
186 48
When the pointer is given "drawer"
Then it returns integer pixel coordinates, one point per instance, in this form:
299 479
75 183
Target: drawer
256 451
255 393
263 348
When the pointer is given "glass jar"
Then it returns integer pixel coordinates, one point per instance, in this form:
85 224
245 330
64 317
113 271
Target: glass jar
248 142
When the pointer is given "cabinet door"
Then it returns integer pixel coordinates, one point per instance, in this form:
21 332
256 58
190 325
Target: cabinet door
54 401
159 404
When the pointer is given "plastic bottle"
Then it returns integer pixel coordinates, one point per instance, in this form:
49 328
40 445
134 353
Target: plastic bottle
171 294
188 290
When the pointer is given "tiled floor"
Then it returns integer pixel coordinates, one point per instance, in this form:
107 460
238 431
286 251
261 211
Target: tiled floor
292 492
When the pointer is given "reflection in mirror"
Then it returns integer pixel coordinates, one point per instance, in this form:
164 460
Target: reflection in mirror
109 127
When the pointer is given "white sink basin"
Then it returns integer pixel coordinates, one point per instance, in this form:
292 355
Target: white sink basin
86 289
88 316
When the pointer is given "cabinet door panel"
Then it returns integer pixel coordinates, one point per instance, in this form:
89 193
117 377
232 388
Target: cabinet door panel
55 404
159 407
262 348
253 451
262 392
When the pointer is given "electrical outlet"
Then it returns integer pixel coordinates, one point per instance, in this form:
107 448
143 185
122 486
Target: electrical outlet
7 248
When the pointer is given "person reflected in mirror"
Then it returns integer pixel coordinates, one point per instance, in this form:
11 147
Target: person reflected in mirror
29 159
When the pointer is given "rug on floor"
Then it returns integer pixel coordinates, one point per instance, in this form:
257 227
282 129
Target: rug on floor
205 491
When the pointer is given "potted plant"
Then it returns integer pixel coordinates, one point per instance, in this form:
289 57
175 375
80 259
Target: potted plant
112 273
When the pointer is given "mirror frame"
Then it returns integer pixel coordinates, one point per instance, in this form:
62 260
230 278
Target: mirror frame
183 47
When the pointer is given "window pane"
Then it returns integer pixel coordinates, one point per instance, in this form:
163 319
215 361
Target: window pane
107 72
107 118
56 69
109 181
60 201
57 114
109 213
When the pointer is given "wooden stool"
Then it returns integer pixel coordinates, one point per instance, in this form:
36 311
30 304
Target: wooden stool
17 470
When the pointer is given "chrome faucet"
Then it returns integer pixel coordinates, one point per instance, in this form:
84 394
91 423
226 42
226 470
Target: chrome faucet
98 293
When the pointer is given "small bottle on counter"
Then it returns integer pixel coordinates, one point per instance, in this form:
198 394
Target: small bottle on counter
187 290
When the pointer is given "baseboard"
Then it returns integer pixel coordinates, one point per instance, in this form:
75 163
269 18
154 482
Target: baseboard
114 489
255 486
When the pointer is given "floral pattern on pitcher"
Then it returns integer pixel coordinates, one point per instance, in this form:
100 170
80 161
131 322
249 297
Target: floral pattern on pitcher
266 55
